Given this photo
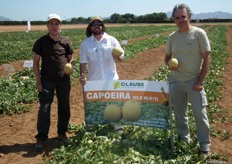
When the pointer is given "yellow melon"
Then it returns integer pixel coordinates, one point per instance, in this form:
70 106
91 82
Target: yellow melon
113 112
131 110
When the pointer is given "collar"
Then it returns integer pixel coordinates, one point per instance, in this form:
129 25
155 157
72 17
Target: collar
104 35
55 40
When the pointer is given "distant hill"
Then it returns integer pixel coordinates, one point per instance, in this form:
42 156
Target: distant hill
4 19
69 19
218 15
209 15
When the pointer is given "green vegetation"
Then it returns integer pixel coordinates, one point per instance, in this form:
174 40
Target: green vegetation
17 93
148 145
100 144
18 46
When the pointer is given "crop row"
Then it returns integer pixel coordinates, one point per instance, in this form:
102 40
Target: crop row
17 103
18 45
100 144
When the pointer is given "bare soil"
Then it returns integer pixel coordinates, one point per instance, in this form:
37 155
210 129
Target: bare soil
18 131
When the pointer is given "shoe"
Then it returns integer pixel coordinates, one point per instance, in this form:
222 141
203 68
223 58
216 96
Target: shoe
120 131
63 138
205 152
39 145
186 141
204 147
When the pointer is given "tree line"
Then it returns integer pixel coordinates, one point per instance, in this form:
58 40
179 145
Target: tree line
114 18
117 18
126 18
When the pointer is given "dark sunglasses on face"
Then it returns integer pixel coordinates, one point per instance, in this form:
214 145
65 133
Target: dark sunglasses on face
96 23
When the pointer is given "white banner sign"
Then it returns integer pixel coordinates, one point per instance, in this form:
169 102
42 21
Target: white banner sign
127 102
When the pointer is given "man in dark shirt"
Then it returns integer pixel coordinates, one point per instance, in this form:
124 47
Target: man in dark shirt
54 51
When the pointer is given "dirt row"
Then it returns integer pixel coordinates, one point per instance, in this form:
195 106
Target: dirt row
18 131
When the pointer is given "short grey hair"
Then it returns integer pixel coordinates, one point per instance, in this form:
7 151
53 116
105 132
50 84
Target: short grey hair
181 6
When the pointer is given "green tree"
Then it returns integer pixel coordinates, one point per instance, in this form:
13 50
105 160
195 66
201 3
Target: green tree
115 18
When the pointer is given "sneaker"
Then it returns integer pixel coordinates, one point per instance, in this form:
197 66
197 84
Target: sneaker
39 145
119 129
186 141
205 152
204 149
63 138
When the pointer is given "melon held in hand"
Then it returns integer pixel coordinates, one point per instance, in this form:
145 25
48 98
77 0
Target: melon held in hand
117 51
68 69
173 63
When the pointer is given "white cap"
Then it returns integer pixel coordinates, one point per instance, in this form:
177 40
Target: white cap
53 16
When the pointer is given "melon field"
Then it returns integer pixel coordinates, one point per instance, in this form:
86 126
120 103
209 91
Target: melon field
100 144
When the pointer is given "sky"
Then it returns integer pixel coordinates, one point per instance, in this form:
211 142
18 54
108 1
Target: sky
20 10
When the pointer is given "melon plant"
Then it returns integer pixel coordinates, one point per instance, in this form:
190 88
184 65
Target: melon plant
131 110
113 112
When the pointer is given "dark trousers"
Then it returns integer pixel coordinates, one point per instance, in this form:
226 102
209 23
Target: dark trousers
62 90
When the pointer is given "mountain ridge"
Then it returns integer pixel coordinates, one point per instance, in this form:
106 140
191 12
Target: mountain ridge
202 15
208 15
2 18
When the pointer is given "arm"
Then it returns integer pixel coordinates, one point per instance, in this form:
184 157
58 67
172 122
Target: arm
204 70
36 62
119 50
70 59
167 58
118 58
82 78
205 66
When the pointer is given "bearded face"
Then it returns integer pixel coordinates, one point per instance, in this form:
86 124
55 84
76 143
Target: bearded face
96 27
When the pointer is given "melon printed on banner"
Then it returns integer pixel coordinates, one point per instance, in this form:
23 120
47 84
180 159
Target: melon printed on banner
127 102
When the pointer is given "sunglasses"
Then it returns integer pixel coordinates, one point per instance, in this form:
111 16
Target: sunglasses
96 23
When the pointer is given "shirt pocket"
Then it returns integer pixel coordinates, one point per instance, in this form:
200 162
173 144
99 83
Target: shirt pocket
92 54
106 51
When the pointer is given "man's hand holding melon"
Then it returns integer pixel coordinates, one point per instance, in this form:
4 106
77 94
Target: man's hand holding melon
117 53
68 69
173 64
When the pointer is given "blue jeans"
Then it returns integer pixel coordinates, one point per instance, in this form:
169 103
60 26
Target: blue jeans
62 90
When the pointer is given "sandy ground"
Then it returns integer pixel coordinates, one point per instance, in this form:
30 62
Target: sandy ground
18 131
44 27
